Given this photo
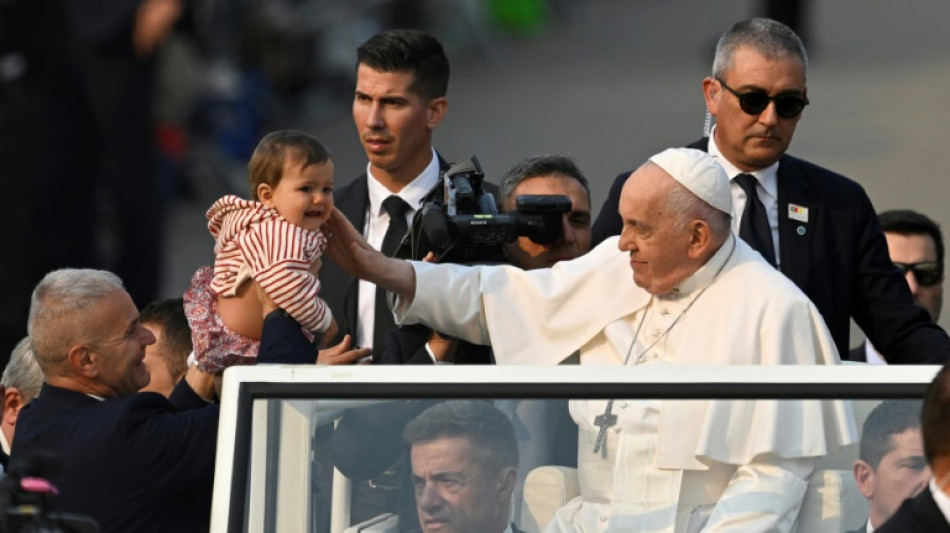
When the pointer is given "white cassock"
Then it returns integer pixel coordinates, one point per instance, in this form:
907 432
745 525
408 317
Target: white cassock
671 466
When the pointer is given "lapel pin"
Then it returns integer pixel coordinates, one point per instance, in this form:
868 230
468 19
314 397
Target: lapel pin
800 230
798 212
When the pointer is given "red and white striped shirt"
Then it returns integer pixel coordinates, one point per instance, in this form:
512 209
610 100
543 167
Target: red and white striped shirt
254 241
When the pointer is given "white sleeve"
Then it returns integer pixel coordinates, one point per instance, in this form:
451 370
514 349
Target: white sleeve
448 300
528 317
764 495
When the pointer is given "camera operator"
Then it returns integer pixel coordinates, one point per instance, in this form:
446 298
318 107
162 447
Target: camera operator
538 175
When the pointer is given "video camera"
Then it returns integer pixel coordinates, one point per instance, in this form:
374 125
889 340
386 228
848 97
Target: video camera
460 223
28 500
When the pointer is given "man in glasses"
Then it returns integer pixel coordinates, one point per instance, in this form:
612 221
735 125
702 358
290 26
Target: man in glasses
915 244
817 227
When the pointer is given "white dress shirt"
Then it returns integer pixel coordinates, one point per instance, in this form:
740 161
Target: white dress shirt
767 189
941 499
4 444
377 222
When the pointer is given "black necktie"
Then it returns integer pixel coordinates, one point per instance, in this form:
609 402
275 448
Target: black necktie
754 227
397 208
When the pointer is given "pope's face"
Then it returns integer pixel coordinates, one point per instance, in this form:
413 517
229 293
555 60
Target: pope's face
752 142
657 244
902 473
575 237
454 494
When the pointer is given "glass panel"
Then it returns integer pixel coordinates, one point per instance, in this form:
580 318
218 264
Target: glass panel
296 443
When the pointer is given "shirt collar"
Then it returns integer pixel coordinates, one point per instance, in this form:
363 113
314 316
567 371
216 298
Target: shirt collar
412 194
872 356
704 276
941 499
4 444
767 177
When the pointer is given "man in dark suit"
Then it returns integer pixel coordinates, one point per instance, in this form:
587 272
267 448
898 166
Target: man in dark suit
401 80
464 458
915 245
816 226
929 511
131 461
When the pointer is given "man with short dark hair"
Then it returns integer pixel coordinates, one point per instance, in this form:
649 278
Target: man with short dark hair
549 174
915 245
402 77
891 466
167 358
817 227
464 459
929 511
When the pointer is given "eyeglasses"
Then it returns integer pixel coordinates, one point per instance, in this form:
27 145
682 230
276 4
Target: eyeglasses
927 273
756 100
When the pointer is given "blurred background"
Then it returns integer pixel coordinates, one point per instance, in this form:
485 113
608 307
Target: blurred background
608 82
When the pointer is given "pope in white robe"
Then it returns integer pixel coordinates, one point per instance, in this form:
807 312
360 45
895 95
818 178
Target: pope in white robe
664 466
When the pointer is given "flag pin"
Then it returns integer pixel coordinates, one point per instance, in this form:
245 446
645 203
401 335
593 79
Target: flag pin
798 212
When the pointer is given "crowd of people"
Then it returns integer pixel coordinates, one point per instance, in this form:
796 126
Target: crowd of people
726 251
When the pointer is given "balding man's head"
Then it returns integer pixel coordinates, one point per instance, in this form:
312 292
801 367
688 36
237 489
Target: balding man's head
86 333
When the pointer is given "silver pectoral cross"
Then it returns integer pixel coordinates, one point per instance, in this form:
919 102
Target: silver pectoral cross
604 421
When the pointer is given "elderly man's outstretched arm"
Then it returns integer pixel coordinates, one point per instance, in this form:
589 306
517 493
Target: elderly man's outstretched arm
348 249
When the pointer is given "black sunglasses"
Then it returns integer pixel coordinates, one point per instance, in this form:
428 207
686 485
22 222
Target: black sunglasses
756 100
927 273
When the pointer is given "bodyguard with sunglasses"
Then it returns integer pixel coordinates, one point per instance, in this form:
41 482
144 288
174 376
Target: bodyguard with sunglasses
915 245
816 226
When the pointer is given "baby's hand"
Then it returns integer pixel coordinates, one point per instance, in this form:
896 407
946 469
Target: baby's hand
315 267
